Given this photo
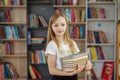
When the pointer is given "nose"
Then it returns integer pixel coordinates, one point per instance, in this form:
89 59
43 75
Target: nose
59 27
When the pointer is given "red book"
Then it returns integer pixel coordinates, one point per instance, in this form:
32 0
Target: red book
36 72
8 15
107 71
73 15
1 71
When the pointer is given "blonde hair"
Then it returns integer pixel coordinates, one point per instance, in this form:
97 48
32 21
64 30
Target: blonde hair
51 34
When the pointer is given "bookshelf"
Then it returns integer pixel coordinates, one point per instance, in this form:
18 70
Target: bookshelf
102 17
118 42
75 11
118 9
107 25
13 44
118 52
36 37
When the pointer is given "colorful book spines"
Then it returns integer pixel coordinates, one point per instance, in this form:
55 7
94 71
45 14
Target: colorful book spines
7 71
77 32
66 2
74 15
6 48
97 53
94 12
34 72
37 21
5 15
37 57
12 32
96 37
10 2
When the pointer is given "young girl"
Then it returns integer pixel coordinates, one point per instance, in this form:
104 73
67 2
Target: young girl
59 44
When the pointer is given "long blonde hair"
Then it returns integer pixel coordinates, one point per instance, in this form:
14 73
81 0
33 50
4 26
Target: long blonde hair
51 34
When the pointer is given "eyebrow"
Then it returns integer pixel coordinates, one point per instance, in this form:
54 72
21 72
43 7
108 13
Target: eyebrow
60 23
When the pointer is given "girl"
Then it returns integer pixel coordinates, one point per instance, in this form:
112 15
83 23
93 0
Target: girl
59 44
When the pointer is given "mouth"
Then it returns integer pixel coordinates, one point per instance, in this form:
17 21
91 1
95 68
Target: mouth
59 31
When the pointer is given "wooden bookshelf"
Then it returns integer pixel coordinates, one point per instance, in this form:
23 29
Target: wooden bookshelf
14 6
69 6
12 23
18 19
107 24
102 2
118 52
76 23
39 8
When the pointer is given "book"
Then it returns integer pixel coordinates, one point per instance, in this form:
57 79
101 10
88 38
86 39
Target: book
107 70
33 76
36 72
93 53
70 62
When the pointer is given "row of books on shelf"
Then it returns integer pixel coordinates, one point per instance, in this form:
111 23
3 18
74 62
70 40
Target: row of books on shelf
97 53
34 72
12 32
77 32
8 71
95 12
5 15
107 72
35 40
37 21
96 37
74 14
37 57
99 0
10 2
68 2
6 48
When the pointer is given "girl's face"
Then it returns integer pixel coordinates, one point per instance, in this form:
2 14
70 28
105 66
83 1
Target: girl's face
59 26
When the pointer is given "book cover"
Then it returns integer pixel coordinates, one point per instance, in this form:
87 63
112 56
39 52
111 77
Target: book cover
33 76
38 75
107 70
93 53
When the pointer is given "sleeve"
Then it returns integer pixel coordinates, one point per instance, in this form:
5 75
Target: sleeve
76 47
51 49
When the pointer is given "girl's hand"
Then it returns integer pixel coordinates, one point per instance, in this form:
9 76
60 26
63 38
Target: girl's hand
88 65
81 67
74 72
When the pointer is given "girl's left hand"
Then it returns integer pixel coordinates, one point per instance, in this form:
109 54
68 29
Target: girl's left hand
89 65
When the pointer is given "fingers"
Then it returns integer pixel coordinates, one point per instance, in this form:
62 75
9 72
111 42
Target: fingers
74 72
80 67
88 65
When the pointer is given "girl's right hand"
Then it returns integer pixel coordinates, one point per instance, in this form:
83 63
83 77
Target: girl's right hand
81 67
74 72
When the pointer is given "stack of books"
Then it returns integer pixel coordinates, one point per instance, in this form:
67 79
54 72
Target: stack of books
70 63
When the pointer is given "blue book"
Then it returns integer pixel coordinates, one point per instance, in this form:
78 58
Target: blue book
88 13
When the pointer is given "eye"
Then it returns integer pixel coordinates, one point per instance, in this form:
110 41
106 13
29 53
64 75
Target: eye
56 25
63 24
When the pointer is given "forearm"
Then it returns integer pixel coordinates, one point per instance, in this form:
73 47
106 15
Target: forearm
61 72
54 71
